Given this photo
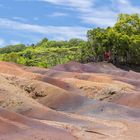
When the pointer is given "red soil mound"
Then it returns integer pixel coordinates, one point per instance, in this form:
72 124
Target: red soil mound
70 67
91 67
59 103
14 69
101 67
15 126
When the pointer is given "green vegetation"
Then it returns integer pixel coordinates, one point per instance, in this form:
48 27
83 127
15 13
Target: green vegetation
12 48
122 41
45 53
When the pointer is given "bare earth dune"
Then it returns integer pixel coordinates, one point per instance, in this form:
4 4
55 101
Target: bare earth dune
72 101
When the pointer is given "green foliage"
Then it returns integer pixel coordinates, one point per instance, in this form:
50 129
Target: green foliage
122 40
46 53
12 48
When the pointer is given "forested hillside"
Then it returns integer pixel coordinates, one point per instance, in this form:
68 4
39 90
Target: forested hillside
122 41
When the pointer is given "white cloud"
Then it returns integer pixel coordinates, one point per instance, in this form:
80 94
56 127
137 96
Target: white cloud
14 42
2 42
125 6
78 4
98 21
19 19
61 31
90 13
58 14
11 42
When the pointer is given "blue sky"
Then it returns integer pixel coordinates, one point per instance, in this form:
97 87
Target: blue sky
28 21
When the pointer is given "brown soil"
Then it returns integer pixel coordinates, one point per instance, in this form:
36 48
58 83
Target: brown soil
72 101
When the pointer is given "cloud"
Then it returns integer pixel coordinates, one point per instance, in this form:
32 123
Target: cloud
125 6
19 19
78 4
5 43
89 12
58 14
66 32
2 42
98 21
100 15
14 42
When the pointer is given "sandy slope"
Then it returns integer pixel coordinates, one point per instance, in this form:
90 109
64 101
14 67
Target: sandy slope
72 101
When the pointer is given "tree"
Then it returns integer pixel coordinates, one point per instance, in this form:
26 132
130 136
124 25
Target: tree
43 42
75 42
128 24
122 40
12 48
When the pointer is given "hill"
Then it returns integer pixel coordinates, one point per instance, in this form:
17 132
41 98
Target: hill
71 101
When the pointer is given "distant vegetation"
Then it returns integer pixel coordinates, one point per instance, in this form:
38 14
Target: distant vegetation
122 41
46 53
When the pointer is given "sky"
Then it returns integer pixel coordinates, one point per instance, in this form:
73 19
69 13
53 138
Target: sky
28 21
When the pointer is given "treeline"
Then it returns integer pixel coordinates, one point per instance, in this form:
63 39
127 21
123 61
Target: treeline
12 48
122 41
46 53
